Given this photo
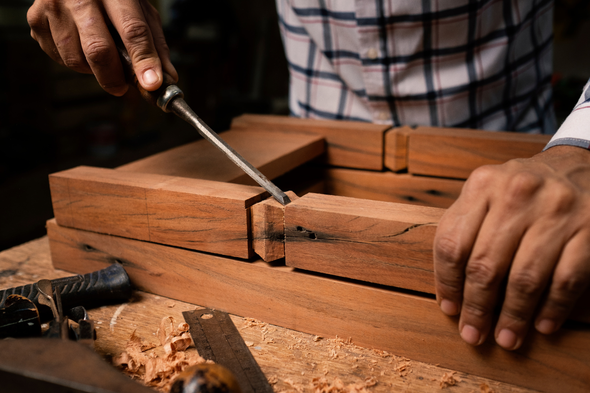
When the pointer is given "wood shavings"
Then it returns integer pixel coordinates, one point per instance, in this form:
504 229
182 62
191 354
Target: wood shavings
249 343
298 388
484 388
404 367
155 371
321 385
273 380
171 305
449 379
316 338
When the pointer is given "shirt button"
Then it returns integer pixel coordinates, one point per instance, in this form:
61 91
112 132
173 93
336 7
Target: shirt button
372 53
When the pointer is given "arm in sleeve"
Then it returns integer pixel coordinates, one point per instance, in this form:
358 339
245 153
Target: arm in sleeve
575 130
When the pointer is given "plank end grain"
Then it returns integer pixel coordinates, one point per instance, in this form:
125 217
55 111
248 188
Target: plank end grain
348 144
378 242
396 149
268 228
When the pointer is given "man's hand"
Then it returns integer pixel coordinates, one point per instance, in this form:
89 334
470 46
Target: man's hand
519 237
75 33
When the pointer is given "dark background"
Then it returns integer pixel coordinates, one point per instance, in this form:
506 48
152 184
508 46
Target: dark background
230 60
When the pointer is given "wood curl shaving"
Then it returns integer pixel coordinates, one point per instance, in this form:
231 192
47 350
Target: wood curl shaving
155 371
484 388
449 379
321 385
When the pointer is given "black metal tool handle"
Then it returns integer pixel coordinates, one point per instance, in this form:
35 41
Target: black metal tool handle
89 290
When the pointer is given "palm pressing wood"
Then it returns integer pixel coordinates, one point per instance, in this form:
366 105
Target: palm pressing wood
404 324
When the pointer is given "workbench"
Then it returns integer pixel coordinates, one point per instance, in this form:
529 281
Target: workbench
290 359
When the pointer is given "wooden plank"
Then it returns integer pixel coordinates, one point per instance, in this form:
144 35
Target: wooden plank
392 187
268 228
192 213
396 149
407 325
349 144
272 153
454 152
378 242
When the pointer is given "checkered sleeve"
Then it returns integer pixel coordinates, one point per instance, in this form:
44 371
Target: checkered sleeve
575 130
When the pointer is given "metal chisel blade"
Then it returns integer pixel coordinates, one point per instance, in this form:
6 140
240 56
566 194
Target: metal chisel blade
179 107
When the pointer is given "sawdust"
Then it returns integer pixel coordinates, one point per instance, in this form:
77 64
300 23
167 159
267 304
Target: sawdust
403 367
151 369
449 379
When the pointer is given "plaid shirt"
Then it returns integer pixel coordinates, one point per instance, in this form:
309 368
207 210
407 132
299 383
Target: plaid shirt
483 64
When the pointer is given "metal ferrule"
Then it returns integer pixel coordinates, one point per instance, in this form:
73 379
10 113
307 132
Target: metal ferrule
169 94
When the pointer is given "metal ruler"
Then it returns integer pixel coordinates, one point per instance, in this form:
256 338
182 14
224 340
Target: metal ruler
217 338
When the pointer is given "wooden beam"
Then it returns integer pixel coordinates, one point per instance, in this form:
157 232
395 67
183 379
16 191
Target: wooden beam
454 152
396 148
349 144
373 317
192 213
272 153
392 187
268 228
378 242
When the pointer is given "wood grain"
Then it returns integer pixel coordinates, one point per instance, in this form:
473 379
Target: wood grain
377 242
453 152
292 359
409 325
349 144
272 153
268 228
396 148
392 187
192 213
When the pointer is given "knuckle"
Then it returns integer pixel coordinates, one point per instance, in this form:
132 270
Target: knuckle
475 309
570 286
562 198
481 177
523 185
447 251
481 272
97 51
525 283
136 30
73 62
34 18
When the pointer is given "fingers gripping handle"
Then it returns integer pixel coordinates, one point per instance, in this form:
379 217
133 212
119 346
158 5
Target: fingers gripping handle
160 97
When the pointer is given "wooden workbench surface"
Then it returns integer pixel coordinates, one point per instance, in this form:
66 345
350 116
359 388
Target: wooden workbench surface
291 360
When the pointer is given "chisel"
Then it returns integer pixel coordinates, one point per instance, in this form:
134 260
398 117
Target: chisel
170 99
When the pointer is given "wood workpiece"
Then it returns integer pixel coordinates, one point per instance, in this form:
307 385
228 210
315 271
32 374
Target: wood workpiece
290 359
335 265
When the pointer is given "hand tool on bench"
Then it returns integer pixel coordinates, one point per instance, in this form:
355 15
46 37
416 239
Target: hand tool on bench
92 289
170 98
216 338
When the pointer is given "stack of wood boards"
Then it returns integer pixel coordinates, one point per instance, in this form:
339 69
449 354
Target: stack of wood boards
187 225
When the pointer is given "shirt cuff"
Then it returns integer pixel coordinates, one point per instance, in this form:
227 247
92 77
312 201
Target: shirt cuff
575 130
